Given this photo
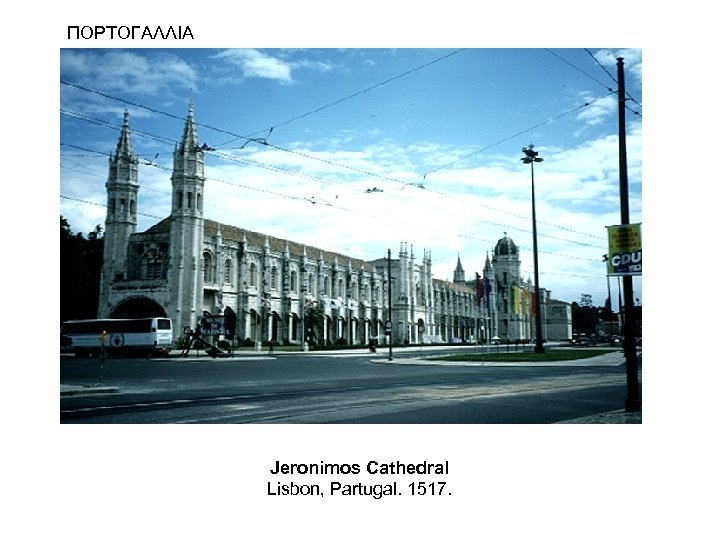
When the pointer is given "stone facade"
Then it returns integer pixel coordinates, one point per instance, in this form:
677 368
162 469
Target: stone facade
283 291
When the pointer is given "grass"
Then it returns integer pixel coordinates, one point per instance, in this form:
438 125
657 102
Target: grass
550 355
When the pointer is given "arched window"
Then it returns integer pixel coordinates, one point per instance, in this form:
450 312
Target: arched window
208 267
293 281
151 266
253 275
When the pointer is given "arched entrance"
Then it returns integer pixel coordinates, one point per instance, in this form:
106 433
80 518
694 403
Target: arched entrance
275 327
230 324
137 308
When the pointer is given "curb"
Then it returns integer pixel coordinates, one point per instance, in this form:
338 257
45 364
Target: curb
87 389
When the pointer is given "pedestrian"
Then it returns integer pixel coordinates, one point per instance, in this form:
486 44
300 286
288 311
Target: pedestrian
191 337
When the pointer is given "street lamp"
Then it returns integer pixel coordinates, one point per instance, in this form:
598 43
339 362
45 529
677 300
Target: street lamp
531 157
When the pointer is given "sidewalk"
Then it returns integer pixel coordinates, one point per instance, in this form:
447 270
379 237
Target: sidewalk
612 417
612 358
67 390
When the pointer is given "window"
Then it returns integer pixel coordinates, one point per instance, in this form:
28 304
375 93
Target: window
273 277
253 275
228 271
151 266
154 269
293 281
208 267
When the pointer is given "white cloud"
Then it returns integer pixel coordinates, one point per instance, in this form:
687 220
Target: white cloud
125 71
632 60
257 64
599 110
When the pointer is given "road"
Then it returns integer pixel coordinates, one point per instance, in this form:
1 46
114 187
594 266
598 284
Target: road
344 387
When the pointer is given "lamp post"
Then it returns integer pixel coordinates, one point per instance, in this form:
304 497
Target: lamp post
388 323
531 157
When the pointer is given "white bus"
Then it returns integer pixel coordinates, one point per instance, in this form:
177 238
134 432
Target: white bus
121 336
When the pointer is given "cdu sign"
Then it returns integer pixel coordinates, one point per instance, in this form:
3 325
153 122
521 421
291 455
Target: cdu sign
624 250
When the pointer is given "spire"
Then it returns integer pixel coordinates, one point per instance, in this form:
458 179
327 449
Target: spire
459 275
190 138
124 146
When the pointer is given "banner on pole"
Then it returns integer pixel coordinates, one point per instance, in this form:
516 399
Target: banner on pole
624 250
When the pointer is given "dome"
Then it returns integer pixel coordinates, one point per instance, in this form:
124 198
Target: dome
505 246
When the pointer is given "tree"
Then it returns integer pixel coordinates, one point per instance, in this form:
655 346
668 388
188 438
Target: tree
606 313
585 316
80 269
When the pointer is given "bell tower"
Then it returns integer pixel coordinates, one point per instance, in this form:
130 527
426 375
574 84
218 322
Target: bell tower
121 218
186 228
506 266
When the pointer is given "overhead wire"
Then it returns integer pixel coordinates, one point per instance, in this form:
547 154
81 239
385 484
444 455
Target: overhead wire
401 199
358 93
426 226
556 55
313 200
347 167
627 94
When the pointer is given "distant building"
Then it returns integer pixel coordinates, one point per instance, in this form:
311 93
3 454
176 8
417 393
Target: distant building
187 265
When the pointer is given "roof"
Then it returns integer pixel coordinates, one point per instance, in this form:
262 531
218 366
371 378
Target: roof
237 234
506 246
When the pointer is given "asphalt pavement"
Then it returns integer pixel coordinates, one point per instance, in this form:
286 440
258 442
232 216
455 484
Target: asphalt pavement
619 416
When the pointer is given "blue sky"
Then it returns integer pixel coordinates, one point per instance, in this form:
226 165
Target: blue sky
358 150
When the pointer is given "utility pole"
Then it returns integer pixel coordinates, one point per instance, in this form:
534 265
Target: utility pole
633 402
